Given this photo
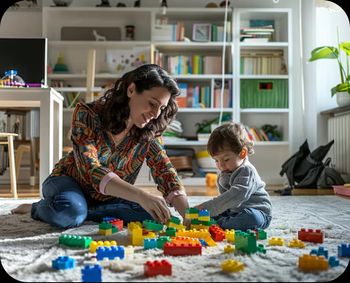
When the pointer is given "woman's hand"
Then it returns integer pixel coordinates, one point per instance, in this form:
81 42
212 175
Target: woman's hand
156 207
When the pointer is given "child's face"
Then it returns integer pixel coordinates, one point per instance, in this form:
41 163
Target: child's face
227 161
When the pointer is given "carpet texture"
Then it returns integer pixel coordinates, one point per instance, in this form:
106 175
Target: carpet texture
27 247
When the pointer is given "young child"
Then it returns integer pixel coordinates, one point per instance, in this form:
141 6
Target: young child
243 202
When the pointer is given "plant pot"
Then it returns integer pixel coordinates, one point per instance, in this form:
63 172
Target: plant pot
343 98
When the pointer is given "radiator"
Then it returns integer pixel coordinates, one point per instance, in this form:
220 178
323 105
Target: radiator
339 130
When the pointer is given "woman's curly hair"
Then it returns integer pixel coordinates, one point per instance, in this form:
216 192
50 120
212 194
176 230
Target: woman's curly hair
115 111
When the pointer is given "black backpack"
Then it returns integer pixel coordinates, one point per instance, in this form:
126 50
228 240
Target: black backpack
329 176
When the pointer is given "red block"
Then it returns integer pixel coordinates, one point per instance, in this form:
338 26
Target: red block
310 235
156 267
117 222
182 249
217 233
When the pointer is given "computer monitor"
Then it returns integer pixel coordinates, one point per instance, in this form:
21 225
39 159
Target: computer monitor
26 55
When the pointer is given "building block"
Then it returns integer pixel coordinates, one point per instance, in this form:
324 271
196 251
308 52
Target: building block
170 231
106 228
203 243
63 262
185 240
231 265
209 241
333 261
136 236
128 250
110 252
133 224
75 241
182 249
229 249
310 235
311 263
91 273
295 243
156 267
217 233
276 241
245 241
321 251
150 243
162 240
115 221
175 220
203 212
260 248
152 225
210 180
344 250
230 235
260 234
94 245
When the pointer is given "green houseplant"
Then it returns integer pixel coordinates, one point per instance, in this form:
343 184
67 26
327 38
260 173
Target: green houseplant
330 52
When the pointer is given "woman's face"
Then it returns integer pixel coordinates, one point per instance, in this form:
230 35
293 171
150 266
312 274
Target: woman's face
147 105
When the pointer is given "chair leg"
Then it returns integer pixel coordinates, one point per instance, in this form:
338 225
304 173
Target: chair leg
12 167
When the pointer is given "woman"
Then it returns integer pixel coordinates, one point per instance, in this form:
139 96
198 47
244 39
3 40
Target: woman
111 138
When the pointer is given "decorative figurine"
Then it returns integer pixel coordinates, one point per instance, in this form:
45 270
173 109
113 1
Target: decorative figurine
104 3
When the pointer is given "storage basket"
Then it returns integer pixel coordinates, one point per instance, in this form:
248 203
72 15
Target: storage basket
264 93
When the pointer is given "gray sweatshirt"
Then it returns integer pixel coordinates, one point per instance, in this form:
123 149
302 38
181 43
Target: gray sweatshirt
238 190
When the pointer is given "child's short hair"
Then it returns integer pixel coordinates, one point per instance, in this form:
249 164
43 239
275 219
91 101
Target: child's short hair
231 136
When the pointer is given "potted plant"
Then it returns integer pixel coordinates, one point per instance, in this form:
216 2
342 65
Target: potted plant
342 90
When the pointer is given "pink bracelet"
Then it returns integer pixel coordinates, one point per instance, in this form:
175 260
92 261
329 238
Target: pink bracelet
105 181
173 194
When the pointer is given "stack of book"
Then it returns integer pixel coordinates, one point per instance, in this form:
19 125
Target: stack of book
257 34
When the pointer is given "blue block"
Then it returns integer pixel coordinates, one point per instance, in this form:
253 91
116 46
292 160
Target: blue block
204 212
91 273
110 252
321 251
203 243
333 261
344 250
150 243
63 262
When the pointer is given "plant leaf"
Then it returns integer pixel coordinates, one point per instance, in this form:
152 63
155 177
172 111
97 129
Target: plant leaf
340 88
345 46
324 52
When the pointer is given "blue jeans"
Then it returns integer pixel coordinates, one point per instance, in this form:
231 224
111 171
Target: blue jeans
248 218
64 205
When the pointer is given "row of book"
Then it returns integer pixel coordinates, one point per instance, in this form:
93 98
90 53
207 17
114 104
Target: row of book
258 134
199 96
176 32
192 64
262 64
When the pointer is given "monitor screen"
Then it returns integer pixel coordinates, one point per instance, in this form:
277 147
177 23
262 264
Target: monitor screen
26 55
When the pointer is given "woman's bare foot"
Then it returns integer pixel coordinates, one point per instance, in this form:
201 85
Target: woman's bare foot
22 209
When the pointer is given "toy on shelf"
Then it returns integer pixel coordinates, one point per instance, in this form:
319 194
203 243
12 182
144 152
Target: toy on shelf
12 79
210 180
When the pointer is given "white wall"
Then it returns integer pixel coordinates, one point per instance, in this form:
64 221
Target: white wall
320 76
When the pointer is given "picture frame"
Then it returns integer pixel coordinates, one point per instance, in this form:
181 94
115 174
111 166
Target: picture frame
201 32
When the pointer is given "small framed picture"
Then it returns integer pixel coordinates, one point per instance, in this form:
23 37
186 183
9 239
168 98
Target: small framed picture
201 32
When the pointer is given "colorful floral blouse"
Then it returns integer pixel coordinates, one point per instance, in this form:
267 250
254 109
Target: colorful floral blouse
95 154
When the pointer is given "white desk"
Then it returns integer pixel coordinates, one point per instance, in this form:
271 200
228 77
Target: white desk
51 121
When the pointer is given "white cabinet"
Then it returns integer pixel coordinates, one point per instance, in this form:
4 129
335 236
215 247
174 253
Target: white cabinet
178 42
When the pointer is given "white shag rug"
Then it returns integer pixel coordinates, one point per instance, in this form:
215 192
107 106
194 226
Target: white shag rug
27 247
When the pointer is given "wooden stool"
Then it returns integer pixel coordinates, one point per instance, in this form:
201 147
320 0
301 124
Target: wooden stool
11 152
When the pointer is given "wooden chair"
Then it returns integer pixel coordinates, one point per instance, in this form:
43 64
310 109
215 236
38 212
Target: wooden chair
11 152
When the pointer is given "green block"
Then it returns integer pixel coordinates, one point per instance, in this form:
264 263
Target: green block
175 220
261 248
192 210
75 241
162 240
170 231
152 225
261 234
245 241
